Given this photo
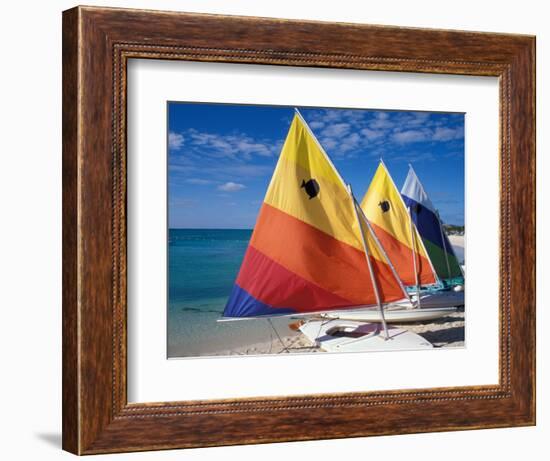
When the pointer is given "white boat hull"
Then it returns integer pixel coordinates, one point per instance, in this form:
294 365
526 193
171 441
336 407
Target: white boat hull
395 315
352 336
432 306
436 299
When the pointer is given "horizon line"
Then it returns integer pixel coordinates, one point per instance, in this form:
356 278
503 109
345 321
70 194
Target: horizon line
210 228
252 228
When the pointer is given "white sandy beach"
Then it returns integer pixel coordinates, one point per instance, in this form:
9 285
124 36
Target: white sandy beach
442 333
457 241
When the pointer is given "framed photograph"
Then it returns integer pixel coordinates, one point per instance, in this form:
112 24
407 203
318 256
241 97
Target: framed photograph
284 230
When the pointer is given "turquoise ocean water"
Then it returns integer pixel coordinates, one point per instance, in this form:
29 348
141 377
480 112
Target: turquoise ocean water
202 267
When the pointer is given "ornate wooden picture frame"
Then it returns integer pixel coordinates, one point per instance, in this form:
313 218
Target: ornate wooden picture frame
97 44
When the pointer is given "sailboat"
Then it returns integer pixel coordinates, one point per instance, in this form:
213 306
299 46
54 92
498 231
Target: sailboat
313 252
393 224
430 227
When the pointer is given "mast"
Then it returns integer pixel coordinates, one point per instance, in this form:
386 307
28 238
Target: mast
413 241
444 245
371 271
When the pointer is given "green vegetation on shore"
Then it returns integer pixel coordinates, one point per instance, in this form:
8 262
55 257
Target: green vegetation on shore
453 229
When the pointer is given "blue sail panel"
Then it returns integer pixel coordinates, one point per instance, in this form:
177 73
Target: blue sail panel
430 228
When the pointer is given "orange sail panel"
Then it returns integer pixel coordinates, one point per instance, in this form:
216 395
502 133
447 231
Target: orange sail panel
391 222
306 253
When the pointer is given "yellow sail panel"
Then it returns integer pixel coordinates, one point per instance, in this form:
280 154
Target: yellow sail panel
391 222
302 148
306 186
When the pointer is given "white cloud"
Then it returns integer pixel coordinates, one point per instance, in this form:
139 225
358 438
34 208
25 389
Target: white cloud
316 124
385 127
417 119
235 145
403 137
330 115
248 146
329 144
219 158
350 142
231 187
372 135
175 140
447 134
336 129
381 120
199 181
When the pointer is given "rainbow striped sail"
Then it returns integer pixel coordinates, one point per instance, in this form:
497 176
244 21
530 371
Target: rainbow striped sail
391 222
311 249
429 226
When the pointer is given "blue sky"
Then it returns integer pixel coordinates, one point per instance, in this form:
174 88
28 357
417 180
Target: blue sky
221 157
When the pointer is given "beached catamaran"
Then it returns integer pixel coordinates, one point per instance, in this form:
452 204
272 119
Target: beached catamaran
313 252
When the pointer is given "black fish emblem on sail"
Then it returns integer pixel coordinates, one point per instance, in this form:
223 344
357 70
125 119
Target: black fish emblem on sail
311 187
384 206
